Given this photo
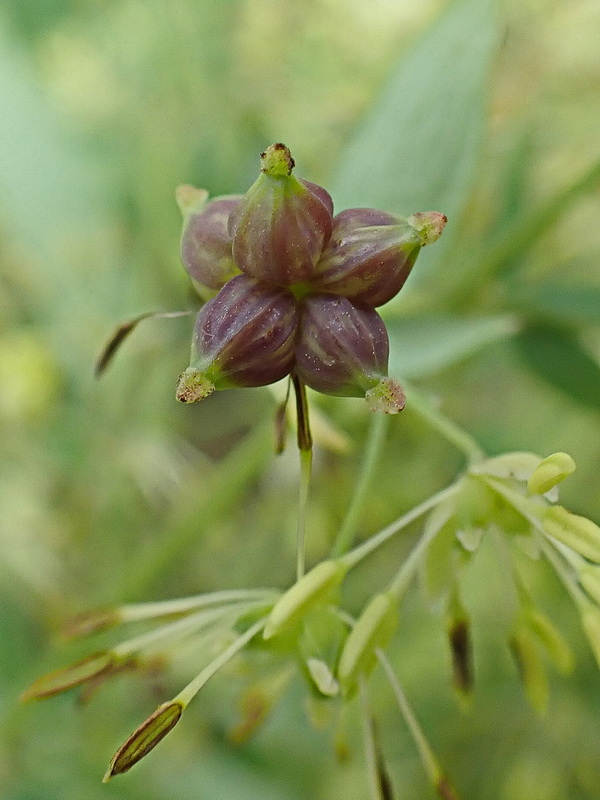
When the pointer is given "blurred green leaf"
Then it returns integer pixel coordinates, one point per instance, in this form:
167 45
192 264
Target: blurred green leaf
506 250
578 304
420 346
49 186
556 356
420 146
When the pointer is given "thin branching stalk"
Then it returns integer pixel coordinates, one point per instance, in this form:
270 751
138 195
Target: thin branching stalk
356 555
191 690
369 743
134 612
376 440
452 432
428 759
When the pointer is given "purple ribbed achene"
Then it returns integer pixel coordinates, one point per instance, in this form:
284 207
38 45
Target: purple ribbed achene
245 335
281 225
368 265
341 349
206 245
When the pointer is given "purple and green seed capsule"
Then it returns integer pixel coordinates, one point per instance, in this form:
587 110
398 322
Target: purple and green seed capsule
243 337
282 224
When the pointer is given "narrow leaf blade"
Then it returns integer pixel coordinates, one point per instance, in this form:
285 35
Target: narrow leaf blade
419 148
556 356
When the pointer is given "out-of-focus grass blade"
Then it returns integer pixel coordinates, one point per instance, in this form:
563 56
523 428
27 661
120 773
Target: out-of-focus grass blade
419 148
420 346
515 239
576 304
557 357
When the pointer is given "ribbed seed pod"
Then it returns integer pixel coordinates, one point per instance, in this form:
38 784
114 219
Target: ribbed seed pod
343 350
243 337
206 244
370 254
281 225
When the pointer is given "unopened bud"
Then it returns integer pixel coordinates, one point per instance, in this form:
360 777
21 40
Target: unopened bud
313 589
205 241
373 630
578 533
243 337
343 350
61 680
550 472
145 738
281 225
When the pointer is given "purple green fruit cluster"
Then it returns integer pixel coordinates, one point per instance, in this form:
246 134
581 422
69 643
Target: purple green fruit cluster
292 289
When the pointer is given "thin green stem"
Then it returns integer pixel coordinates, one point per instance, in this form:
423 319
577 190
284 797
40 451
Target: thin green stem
183 605
410 565
189 692
377 435
358 553
173 631
452 432
369 743
305 474
305 449
430 762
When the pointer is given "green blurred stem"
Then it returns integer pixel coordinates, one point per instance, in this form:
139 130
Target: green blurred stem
377 435
428 759
358 553
406 572
454 434
305 473
305 449
192 689
231 478
369 743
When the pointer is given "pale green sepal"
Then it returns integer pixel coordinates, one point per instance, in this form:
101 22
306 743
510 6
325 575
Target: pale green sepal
190 199
322 677
550 472
552 640
436 570
373 630
578 533
590 619
589 577
509 465
311 590
531 669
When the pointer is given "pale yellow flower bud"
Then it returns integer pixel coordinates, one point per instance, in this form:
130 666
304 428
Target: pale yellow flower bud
311 590
373 629
550 472
578 533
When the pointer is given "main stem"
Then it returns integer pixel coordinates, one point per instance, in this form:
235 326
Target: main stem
305 449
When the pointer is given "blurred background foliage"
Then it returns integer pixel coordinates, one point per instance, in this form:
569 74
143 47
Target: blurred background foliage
113 491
